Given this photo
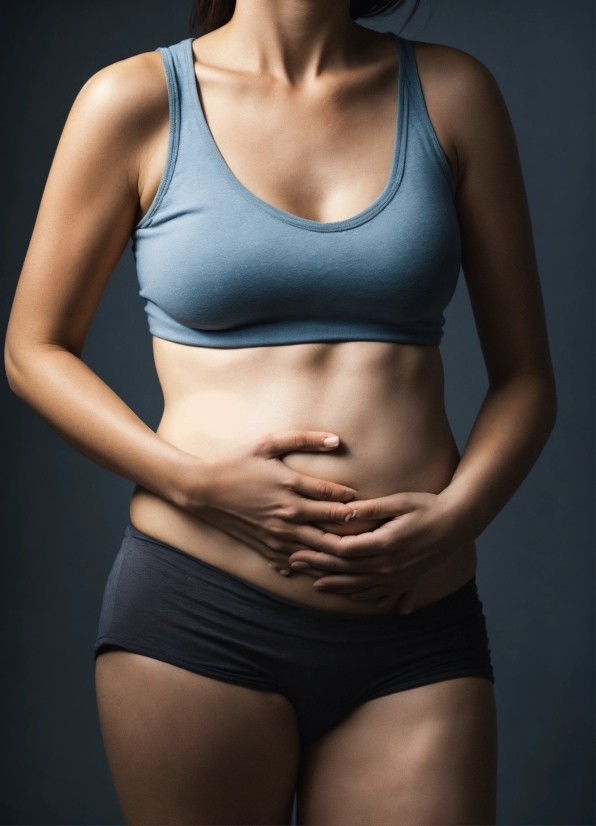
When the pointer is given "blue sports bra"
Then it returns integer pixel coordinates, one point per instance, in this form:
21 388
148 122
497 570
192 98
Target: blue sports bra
220 267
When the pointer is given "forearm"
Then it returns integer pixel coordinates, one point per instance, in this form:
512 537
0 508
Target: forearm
88 415
509 433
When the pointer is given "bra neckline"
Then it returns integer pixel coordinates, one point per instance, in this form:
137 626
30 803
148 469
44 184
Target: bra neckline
395 174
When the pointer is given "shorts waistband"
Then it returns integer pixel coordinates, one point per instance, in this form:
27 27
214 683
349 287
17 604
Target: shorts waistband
467 594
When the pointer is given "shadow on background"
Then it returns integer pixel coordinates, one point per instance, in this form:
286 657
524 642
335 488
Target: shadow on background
64 517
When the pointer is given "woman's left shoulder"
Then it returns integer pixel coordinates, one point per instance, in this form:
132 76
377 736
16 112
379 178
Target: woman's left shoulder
462 95
456 71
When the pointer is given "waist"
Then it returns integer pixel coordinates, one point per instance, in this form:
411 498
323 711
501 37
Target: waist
384 401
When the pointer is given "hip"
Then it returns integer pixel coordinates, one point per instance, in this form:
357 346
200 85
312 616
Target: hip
163 603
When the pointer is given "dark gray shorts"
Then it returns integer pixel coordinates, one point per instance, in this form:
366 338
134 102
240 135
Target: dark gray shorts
164 603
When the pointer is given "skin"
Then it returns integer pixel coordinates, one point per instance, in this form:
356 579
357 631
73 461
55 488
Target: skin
238 472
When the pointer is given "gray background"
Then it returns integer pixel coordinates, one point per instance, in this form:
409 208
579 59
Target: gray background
63 517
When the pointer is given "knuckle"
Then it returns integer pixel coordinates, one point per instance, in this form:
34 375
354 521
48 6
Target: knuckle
385 544
299 439
275 527
263 443
275 544
337 514
324 491
288 513
290 481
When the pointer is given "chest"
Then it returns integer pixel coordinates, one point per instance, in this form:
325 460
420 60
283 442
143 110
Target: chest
323 153
223 251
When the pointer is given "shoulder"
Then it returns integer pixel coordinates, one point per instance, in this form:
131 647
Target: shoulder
127 99
463 99
457 74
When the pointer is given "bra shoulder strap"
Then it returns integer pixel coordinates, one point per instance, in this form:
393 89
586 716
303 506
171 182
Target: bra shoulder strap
182 140
419 122
409 67
178 67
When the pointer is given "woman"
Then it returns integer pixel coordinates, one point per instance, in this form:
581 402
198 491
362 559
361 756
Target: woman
294 602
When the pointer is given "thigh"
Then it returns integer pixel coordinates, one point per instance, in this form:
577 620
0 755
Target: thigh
187 749
422 756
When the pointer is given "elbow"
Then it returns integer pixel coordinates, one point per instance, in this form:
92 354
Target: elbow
533 393
12 371
551 405
545 395
28 365
15 368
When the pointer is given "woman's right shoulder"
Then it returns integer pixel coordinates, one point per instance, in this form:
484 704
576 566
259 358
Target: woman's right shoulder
127 99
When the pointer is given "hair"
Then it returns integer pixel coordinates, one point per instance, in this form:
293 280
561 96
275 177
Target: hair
207 15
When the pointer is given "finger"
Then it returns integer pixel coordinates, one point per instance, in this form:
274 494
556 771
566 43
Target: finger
344 583
407 601
371 543
310 511
312 572
237 529
385 507
367 594
336 544
377 542
301 564
277 560
321 489
335 564
305 560
276 444
389 602
277 535
274 545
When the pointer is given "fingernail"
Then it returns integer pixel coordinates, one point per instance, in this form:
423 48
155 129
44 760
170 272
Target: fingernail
284 572
299 566
350 516
331 441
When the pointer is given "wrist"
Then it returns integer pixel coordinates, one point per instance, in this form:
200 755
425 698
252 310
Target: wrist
187 484
461 512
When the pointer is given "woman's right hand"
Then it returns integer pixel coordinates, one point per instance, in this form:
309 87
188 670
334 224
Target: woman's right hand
254 497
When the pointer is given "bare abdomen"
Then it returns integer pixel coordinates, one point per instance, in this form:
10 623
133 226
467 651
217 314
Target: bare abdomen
384 401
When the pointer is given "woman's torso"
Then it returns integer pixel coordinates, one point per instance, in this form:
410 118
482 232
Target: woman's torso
384 399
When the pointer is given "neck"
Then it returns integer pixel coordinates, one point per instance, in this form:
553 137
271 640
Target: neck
293 39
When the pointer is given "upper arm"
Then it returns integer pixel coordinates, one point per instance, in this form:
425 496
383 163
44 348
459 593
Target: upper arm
498 256
90 203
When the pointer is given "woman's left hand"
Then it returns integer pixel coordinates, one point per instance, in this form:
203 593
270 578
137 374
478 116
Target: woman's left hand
384 564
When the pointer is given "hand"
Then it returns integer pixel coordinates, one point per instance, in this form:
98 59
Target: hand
384 564
254 497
